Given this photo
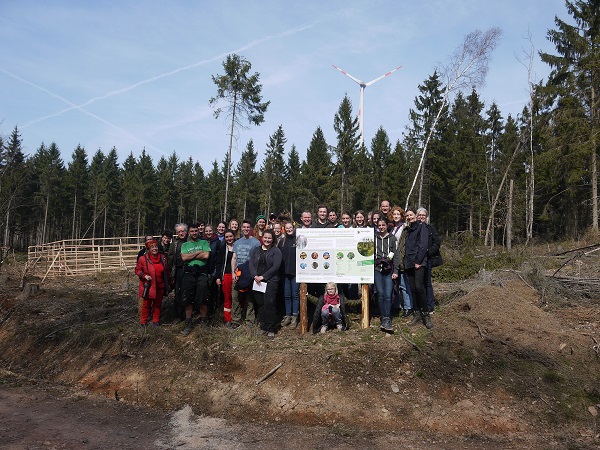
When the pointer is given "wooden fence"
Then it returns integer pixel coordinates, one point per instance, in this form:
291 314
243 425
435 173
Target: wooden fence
81 256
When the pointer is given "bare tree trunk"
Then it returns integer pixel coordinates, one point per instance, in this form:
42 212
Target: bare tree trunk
594 190
509 218
467 69
45 218
490 221
229 156
74 213
594 165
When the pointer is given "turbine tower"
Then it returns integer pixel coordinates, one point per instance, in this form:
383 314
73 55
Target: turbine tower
363 85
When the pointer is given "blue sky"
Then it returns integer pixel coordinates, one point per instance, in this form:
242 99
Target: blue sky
137 74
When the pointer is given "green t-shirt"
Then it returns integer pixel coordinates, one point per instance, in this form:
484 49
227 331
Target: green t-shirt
193 247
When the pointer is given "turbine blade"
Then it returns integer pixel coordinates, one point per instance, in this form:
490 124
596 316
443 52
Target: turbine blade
382 76
348 75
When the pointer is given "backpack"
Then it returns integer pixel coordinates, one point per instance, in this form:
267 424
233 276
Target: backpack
244 282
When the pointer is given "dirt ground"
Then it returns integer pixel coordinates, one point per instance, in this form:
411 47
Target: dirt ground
512 362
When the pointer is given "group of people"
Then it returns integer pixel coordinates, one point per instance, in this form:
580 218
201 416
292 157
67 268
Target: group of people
252 267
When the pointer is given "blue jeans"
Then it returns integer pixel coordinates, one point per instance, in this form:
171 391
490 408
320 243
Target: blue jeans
405 288
336 316
291 293
384 285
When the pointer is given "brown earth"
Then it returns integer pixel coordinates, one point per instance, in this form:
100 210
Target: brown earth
513 362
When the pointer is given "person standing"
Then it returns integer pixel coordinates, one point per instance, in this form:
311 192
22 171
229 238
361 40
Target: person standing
401 296
332 217
176 265
385 246
434 258
221 227
385 207
306 219
223 274
242 302
165 241
260 227
360 219
322 220
195 254
415 263
143 250
291 289
155 282
234 226
265 262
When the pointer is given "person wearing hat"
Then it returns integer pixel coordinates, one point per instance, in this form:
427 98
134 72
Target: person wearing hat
260 227
272 220
155 282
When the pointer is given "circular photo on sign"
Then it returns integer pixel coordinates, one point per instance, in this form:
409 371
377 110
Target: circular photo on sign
366 247
339 255
315 265
351 255
314 255
326 265
301 241
303 265
325 255
303 255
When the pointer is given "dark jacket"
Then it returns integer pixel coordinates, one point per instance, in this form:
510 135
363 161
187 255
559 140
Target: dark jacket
398 261
316 323
273 257
223 261
215 244
433 247
288 255
417 241
174 256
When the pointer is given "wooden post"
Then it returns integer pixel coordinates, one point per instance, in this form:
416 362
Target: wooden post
365 306
303 308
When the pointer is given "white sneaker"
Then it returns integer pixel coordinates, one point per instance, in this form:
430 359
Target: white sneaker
339 327
324 329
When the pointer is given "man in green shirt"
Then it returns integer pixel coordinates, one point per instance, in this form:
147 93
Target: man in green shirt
195 253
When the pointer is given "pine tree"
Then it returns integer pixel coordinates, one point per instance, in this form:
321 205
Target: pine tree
381 150
273 192
13 177
316 172
242 94
346 128
576 73
293 189
246 183
77 179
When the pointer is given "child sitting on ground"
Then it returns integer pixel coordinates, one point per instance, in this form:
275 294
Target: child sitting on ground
331 308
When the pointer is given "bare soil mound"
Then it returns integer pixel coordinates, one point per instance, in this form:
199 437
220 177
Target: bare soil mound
504 365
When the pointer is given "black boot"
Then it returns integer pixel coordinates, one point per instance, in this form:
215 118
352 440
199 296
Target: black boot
427 321
417 318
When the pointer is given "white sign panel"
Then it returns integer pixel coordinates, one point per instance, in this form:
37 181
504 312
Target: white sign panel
342 255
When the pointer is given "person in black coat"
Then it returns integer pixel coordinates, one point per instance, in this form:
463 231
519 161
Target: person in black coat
415 264
434 257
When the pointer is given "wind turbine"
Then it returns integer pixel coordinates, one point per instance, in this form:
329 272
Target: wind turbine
363 85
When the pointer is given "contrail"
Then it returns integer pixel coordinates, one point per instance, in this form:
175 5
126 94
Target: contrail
74 106
163 75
